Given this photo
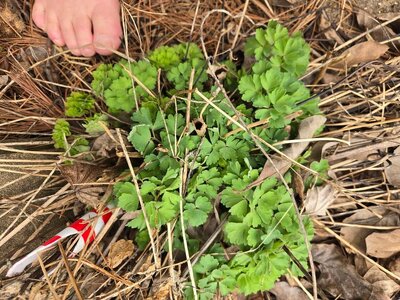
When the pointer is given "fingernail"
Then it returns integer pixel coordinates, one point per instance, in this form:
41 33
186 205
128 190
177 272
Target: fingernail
88 52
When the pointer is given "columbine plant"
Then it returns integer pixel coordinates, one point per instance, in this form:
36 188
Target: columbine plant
197 157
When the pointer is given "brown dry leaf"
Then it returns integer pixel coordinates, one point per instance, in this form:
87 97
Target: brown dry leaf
318 199
339 277
361 53
357 235
200 127
3 80
37 53
330 78
307 129
298 185
80 175
383 244
362 149
11 290
327 29
381 282
361 264
119 251
161 289
282 291
320 234
11 24
38 292
387 16
106 144
392 170
394 266
147 266
218 70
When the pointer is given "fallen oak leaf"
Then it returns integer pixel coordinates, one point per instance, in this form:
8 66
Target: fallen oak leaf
282 291
361 53
338 276
394 266
383 244
119 251
374 216
328 30
381 282
280 165
107 144
161 289
80 176
318 199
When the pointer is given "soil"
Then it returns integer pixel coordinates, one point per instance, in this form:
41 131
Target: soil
379 7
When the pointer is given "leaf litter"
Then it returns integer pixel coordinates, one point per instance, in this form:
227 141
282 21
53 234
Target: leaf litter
364 208
319 199
119 251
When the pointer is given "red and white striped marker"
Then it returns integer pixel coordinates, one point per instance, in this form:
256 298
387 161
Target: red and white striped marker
82 226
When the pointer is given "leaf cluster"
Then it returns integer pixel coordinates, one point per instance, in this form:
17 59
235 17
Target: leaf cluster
200 160
124 84
61 132
274 45
272 85
78 104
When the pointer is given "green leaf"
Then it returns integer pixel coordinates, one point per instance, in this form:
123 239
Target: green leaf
204 204
166 212
128 202
164 57
179 76
265 207
240 209
140 137
146 73
142 238
252 219
321 166
206 264
60 133
126 195
78 104
95 125
248 88
147 187
193 215
236 233
103 76
79 145
271 235
148 116
230 197
172 198
254 237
